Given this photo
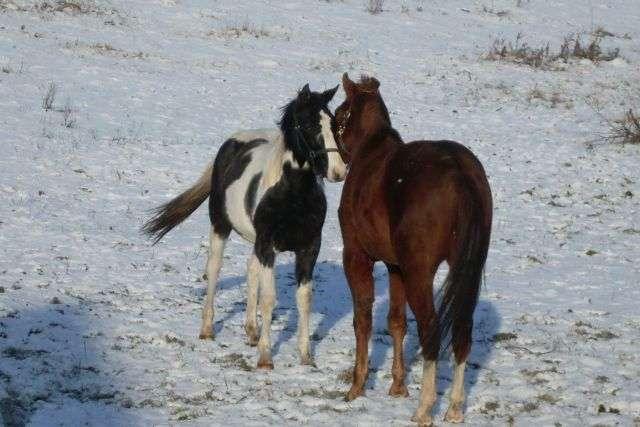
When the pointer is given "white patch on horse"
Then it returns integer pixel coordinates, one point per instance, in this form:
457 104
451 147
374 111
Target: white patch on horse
251 323
427 394
336 169
214 263
287 157
456 399
303 299
262 161
267 302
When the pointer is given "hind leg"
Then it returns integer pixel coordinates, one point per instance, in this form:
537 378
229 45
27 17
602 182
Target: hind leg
456 398
397 321
251 323
214 263
461 334
305 261
358 268
419 290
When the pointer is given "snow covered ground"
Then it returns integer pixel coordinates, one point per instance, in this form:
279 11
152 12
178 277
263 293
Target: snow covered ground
97 327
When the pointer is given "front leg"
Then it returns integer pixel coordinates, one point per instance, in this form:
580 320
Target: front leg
358 268
267 302
305 262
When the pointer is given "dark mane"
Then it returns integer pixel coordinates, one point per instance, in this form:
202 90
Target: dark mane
368 84
287 125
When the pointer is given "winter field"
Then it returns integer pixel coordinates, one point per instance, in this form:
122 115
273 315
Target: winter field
98 327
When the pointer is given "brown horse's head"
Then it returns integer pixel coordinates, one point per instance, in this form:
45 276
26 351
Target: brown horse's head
361 115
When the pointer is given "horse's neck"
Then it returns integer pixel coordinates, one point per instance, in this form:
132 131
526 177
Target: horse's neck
273 170
278 161
377 147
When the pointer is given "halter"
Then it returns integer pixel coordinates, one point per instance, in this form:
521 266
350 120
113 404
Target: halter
313 153
341 130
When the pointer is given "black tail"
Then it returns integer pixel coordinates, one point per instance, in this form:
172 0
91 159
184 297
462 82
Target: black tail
172 213
459 293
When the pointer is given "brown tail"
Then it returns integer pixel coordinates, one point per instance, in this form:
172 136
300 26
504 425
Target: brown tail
172 213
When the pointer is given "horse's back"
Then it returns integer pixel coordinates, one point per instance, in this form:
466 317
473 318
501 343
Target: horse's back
430 184
240 169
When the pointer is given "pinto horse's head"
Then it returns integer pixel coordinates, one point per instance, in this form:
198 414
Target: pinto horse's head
361 114
306 124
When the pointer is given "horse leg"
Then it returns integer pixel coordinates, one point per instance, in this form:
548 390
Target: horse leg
456 398
305 261
419 290
251 323
267 302
461 338
358 268
214 263
397 321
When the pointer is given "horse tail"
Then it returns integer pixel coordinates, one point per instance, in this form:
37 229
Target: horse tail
167 216
459 293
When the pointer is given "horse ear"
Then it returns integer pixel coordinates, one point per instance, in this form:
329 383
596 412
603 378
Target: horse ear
327 95
305 93
348 85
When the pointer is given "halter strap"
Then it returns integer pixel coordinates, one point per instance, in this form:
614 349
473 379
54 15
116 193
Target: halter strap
313 153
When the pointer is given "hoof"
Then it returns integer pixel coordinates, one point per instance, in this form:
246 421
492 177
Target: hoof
398 390
307 360
266 365
454 415
422 421
252 336
207 336
354 393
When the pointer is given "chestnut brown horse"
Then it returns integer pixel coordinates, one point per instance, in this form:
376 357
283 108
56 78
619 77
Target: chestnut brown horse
412 206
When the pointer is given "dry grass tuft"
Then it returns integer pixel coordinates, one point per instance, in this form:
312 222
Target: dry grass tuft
374 7
49 97
625 130
521 52
518 52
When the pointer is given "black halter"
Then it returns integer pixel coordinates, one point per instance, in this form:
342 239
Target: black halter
302 141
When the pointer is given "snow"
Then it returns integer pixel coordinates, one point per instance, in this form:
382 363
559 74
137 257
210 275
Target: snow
99 327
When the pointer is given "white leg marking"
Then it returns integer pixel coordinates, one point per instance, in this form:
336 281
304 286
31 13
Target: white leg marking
427 394
456 399
216 248
336 169
303 298
251 323
267 302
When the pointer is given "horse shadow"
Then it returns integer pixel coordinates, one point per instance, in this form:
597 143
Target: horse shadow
486 324
332 298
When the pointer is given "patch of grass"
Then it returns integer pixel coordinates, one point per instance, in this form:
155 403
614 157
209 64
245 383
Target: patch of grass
490 407
504 336
374 7
21 353
346 376
547 398
236 360
69 115
573 48
49 97
625 130
520 52
246 29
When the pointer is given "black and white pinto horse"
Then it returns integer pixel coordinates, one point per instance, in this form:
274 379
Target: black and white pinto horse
266 185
